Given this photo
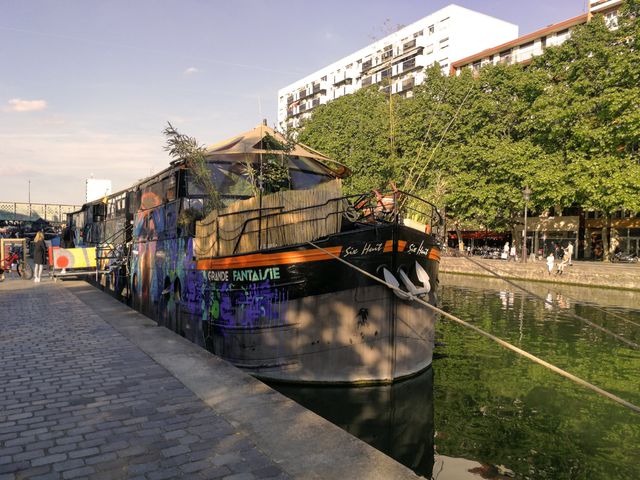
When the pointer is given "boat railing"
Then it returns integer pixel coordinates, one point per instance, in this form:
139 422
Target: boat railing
272 226
424 210
341 206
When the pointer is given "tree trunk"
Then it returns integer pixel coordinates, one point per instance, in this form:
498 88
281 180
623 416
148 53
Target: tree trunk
606 232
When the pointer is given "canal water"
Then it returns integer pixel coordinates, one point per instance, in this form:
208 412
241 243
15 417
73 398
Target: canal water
484 412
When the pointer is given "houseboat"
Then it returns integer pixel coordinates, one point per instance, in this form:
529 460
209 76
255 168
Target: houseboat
287 278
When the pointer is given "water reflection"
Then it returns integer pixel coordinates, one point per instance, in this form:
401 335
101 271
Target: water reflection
497 415
395 419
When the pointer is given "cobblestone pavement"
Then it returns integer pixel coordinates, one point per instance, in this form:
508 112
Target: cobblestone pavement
79 400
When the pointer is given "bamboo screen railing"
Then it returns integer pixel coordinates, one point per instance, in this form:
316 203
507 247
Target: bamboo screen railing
288 217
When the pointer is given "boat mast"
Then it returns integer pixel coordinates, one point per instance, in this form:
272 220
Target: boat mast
260 184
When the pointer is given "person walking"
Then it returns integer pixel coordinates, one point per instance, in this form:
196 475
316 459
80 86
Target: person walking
512 253
570 253
550 261
505 252
39 255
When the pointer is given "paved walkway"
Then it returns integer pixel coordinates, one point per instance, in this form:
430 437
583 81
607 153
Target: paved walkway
100 392
600 274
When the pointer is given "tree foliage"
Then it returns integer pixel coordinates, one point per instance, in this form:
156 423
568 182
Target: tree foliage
567 126
185 148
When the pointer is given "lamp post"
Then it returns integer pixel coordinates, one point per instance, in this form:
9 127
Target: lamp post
526 194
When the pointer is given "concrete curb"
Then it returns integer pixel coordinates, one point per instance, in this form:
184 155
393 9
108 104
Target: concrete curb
303 444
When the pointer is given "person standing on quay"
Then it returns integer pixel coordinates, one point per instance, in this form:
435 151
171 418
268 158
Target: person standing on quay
570 253
39 255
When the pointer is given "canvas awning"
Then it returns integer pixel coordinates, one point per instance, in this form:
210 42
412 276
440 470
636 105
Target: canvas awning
252 143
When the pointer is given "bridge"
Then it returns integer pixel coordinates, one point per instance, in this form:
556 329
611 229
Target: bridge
31 212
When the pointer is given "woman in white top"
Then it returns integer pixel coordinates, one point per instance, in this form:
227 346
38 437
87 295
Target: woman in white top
550 261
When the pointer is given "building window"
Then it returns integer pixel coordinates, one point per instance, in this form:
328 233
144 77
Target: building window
432 29
388 52
409 45
611 20
505 57
418 34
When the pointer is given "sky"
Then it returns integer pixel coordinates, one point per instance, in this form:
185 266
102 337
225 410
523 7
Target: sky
87 86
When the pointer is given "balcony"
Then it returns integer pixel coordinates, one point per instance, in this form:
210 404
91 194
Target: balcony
386 55
409 46
413 63
367 65
346 76
320 87
409 64
343 90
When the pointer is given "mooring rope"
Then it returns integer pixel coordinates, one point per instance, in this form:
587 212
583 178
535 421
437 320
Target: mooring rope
499 341
571 314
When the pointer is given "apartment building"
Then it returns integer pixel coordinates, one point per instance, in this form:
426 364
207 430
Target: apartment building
524 48
396 62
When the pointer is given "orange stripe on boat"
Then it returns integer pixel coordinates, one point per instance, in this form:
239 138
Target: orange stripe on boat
388 246
434 254
268 259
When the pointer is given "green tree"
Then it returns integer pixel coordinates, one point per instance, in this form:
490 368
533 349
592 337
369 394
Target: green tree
355 130
589 114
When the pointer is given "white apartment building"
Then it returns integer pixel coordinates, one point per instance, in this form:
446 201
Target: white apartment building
523 49
397 61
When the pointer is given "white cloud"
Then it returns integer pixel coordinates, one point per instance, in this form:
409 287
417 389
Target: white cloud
191 71
19 105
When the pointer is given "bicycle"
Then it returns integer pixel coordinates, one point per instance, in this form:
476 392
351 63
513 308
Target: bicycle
23 269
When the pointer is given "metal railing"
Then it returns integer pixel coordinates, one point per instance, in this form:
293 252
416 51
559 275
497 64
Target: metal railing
30 212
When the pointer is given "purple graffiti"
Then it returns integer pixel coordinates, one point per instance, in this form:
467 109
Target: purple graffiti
256 301
226 305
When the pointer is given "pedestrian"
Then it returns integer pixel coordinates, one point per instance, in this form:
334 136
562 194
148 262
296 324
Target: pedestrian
558 252
563 262
550 261
570 252
39 255
512 253
505 252
66 240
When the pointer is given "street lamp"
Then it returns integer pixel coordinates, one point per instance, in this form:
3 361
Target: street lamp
526 194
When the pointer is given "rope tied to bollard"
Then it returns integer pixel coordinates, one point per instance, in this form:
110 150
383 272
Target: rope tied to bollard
490 336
